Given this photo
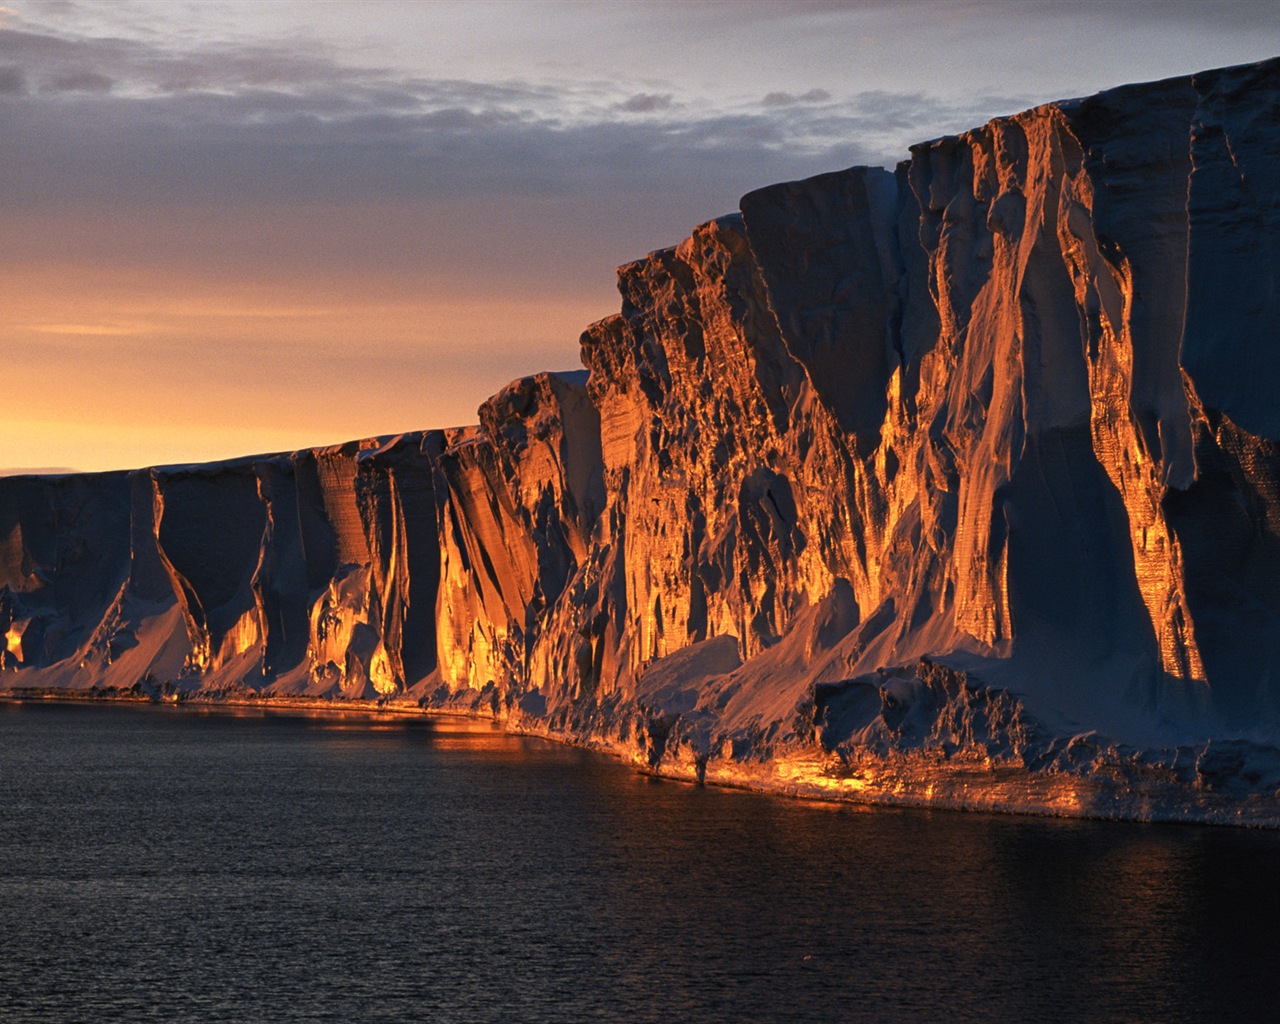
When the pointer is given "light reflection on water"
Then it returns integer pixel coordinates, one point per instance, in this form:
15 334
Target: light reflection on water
184 866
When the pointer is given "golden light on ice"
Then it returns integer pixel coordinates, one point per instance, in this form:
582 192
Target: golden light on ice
13 640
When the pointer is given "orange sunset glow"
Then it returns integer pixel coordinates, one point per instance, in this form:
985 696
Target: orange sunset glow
170 369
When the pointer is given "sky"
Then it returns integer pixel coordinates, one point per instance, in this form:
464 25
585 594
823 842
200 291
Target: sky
239 227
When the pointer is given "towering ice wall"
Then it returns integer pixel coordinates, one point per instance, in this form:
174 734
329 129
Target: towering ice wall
886 485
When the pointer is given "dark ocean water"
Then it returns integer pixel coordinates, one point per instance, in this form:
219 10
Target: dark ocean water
178 865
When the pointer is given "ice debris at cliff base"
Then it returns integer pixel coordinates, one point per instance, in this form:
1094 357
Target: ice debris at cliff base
955 484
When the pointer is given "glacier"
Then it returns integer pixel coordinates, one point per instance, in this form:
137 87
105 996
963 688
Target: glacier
954 485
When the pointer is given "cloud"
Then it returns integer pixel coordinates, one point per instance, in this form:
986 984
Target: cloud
786 99
115 120
645 103
1222 15
83 81
1233 14
12 81
149 69
264 147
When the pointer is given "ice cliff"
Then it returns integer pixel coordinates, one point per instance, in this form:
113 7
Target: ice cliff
957 484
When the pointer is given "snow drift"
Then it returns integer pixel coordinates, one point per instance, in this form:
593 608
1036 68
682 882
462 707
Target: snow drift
956 485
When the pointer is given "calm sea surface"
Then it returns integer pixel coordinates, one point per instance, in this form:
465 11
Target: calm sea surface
178 865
